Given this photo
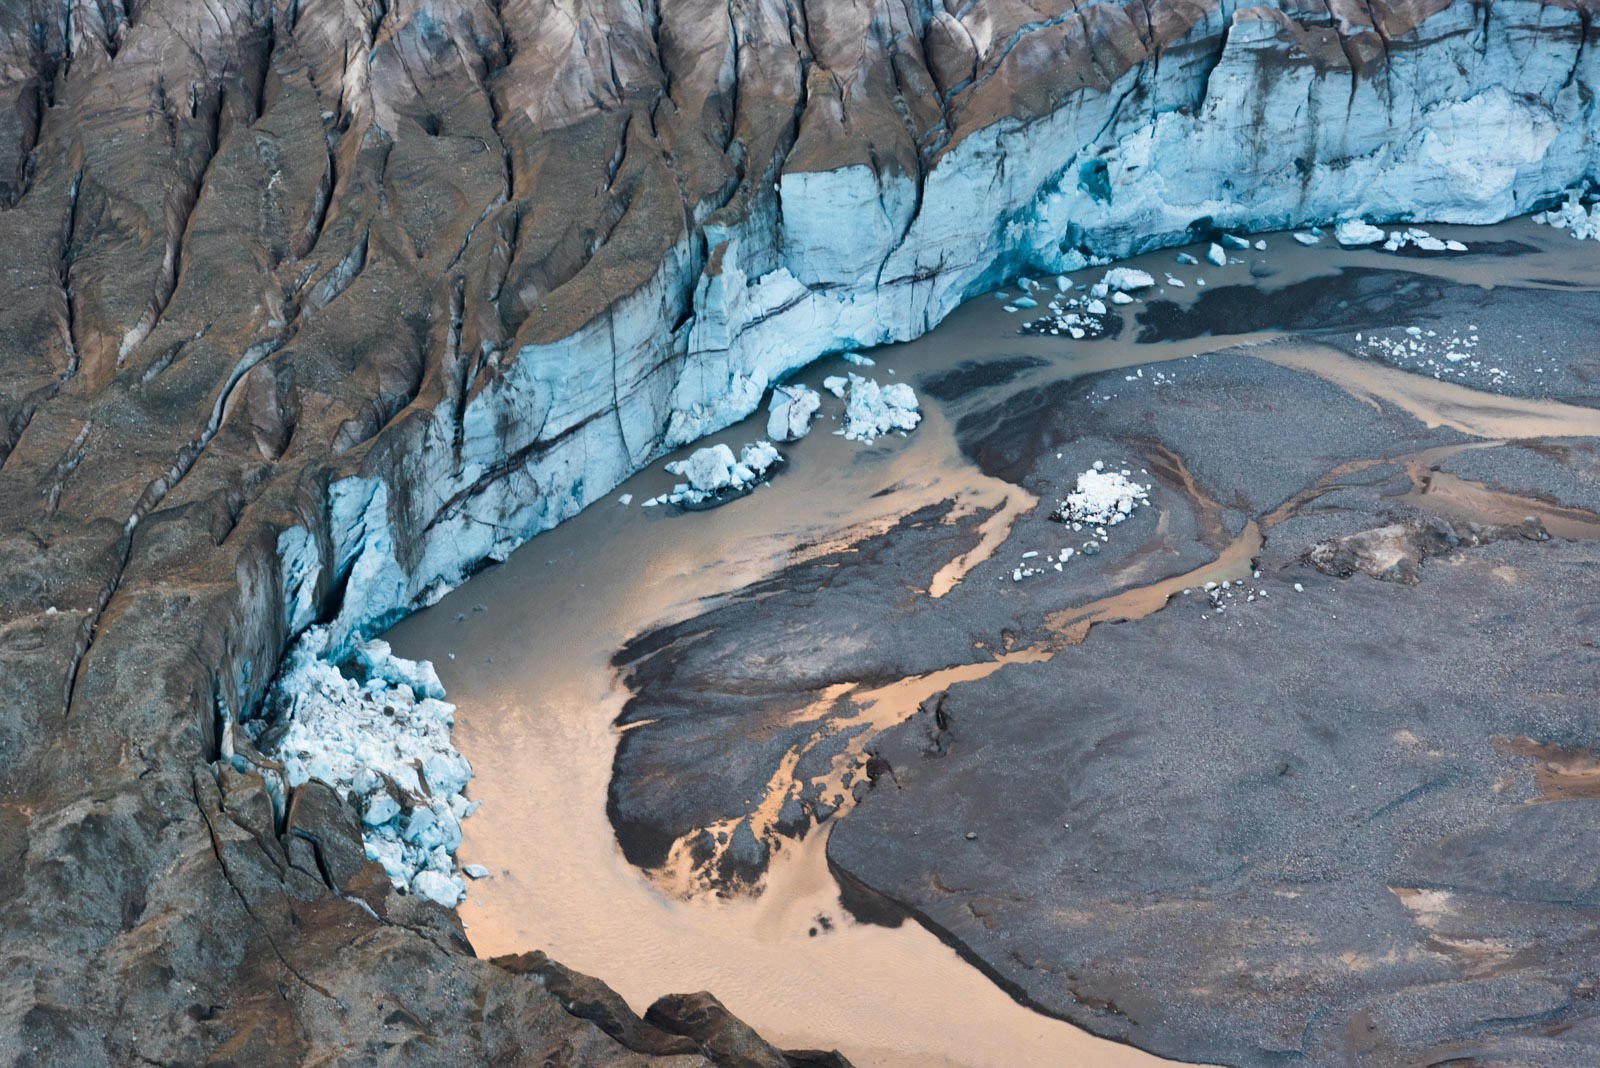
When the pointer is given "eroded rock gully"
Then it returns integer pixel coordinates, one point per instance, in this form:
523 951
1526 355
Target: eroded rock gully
310 307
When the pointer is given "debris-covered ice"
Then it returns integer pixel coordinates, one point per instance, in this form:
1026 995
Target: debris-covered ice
714 472
872 409
1354 232
791 410
1572 217
376 729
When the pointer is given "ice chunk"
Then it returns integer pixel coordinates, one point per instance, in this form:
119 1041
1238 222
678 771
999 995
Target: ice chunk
1308 238
1121 298
836 384
714 471
436 886
873 409
1353 232
1217 256
1186 260
1127 278
791 410
708 470
1574 218
1102 498
860 360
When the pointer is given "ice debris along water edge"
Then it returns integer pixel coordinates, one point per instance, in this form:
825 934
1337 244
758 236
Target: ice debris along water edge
791 411
714 473
872 409
1099 500
1420 239
1571 216
1354 233
376 729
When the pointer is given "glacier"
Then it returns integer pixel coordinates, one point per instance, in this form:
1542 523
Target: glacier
1245 126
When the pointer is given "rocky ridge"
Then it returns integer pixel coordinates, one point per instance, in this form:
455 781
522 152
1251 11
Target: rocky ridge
313 306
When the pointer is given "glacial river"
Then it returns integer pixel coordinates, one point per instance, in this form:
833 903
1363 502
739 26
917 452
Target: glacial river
524 650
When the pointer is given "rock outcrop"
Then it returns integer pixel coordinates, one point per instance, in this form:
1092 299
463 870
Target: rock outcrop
312 306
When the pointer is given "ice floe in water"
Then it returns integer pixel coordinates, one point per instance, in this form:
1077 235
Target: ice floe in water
1572 217
1354 232
376 729
714 473
1420 239
791 409
1127 279
872 409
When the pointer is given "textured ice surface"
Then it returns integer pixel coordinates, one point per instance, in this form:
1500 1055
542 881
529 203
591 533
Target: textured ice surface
1355 232
872 409
1127 278
376 730
791 410
714 472
1103 498
1571 216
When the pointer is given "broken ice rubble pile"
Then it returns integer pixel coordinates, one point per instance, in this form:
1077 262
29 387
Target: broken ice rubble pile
1099 500
714 473
1571 216
1085 315
871 409
376 729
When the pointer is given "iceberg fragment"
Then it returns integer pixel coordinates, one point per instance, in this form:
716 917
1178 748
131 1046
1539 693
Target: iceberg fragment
791 409
873 409
1127 278
1354 232
714 472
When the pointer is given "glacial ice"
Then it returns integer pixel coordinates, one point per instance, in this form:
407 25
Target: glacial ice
1127 279
1102 498
1421 239
378 731
1571 216
714 472
1353 232
872 409
791 410
851 258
